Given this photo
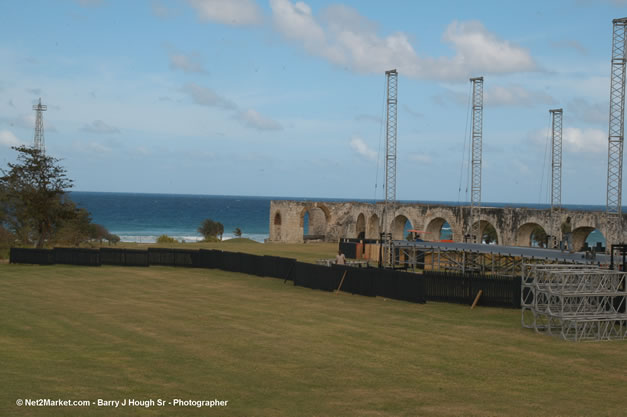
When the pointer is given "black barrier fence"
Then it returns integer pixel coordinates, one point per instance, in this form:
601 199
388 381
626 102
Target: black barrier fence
77 256
394 284
124 257
497 291
31 256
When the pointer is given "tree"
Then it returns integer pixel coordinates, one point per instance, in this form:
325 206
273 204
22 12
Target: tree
32 196
489 234
211 229
237 232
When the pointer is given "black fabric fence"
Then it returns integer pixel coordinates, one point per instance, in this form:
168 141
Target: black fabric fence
498 291
418 288
124 257
31 256
77 256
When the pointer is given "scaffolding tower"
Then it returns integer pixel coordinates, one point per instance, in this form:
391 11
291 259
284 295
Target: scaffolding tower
390 160
614 227
39 141
556 176
477 133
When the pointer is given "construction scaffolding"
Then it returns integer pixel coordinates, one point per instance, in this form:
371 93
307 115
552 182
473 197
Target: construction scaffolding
574 302
390 159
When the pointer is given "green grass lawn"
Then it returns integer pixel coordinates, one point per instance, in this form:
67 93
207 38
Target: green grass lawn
272 349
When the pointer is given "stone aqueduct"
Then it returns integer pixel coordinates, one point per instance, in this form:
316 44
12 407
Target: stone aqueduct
334 220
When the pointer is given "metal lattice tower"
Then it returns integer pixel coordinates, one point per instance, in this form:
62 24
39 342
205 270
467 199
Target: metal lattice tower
40 143
477 134
390 137
616 134
556 175
390 160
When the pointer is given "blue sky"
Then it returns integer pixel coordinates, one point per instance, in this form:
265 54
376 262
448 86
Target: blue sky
284 98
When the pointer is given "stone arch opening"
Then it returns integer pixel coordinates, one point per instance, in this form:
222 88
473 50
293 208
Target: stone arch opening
276 225
372 231
587 237
438 229
400 226
314 221
488 232
531 235
360 226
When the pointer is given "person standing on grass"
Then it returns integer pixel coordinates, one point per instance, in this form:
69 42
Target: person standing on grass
340 259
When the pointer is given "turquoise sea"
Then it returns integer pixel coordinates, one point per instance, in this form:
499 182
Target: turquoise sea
139 217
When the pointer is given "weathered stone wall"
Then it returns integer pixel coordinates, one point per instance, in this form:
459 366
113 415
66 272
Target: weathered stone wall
335 220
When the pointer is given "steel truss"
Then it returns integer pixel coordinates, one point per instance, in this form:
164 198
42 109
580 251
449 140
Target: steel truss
390 159
616 133
477 137
574 302
39 141
556 176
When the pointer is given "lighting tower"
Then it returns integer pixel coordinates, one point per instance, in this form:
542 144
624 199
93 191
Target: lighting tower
390 162
556 174
477 133
614 233
39 126
390 137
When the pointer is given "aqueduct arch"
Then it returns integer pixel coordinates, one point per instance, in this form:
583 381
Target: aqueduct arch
398 226
360 226
525 232
318 216
372 232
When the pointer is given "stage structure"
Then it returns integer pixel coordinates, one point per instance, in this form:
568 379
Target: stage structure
482 259
575 303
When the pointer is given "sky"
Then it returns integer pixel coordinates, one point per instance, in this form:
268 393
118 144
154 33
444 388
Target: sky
285 98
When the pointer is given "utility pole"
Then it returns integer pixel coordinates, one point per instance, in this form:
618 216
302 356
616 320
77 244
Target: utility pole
477 134
556 176
390 161
614 224
39 144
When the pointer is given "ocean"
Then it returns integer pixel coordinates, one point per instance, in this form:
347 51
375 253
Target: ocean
137 217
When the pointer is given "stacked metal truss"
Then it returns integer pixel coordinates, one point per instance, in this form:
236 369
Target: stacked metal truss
574 302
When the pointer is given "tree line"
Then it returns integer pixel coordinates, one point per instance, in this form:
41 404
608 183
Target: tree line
35 209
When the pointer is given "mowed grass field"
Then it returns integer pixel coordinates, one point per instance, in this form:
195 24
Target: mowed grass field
272 349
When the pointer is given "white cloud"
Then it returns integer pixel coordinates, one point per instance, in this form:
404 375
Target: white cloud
159 9
207 97
100 127
8 139
584 140
588 112
570 44
231 12
516 95
359 146
421 158
251 118
186 62
350 40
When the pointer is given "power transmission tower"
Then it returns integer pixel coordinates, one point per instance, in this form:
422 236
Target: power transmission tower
614 231
477 134
556 175
40 144
390 161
